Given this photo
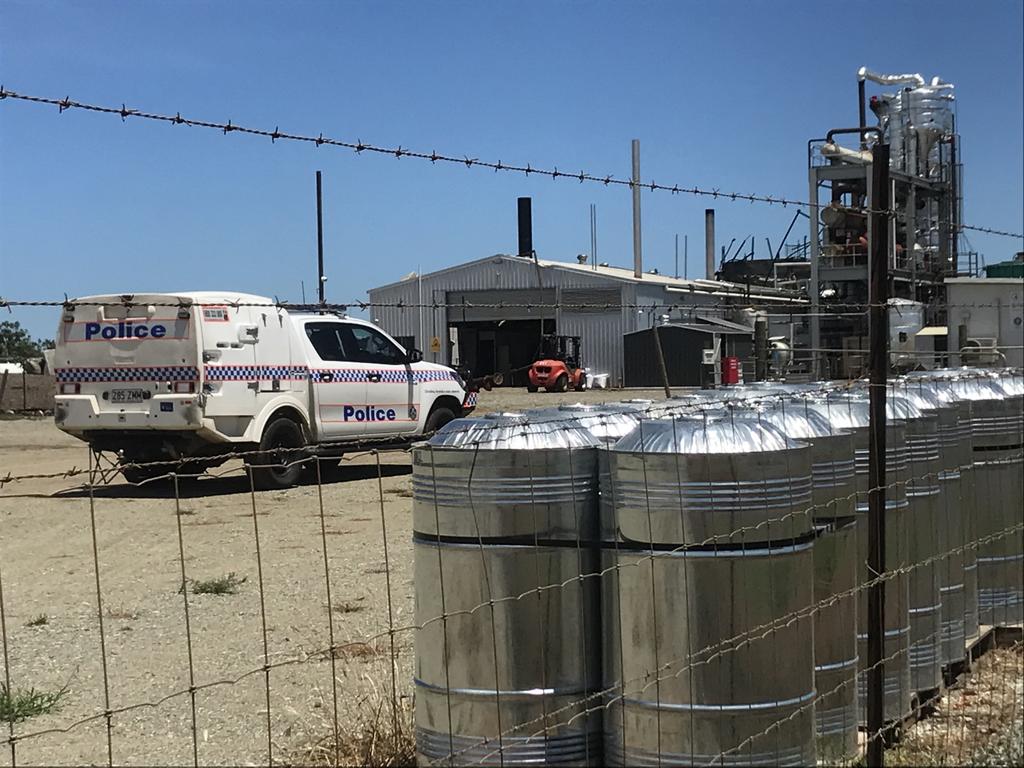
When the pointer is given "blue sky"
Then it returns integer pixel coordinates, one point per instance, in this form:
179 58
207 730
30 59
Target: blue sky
720 95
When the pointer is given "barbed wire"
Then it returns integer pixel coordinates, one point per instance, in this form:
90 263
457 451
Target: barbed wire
767 627
799 305
434 157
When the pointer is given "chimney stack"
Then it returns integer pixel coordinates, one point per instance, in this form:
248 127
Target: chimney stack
525 228
709 242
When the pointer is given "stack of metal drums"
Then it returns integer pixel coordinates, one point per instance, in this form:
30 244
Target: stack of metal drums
833 505
508 651
708 640
849 411
950 528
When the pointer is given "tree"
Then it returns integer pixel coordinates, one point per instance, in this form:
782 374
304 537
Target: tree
16 345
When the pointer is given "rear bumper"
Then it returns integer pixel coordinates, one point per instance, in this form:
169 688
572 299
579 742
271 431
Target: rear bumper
166 412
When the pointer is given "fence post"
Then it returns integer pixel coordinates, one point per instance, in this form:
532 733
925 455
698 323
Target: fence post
3 388
878 335
24 390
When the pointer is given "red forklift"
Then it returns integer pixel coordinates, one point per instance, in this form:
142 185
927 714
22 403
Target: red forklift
556 366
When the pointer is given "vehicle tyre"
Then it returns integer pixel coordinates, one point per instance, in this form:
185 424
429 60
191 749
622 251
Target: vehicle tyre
531 388
561 383
279 468
437 419
582 385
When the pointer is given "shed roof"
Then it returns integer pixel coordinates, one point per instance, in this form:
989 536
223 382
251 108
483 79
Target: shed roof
619 274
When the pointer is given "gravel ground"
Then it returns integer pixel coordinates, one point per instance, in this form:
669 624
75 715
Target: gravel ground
47 567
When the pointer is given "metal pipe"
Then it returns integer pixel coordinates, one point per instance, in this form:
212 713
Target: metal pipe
860 129
861 111
661 359
760 348
638 261
686 256
813 284
525 221
709 243
878 334
320 279
677 257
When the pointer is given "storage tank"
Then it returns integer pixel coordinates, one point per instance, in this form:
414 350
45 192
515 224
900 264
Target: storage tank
941 384
997 461
833 508
607 422
849 411
950 530
709 654
503 507
923 525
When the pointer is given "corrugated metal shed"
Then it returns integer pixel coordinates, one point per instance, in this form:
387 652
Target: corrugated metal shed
599 304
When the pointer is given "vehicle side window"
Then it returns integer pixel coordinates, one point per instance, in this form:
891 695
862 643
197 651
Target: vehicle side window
372 346
327 340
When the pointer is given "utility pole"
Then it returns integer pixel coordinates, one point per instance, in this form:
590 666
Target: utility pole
677 256
638 261
321 279
878 361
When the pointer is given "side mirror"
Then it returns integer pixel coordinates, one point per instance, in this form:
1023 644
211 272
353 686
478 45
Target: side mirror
414 356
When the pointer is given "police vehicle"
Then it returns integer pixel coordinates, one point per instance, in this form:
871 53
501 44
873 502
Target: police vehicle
199 375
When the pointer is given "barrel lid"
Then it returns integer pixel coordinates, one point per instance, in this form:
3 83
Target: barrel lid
513 431
793 420
704 434
605 421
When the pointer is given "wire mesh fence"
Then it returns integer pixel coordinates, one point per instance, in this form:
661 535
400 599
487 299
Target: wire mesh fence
667 582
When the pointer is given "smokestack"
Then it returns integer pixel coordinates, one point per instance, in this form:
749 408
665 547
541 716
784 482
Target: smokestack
709 242
525 227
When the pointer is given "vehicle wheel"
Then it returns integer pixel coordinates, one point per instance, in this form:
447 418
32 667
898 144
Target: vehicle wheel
284 440
582 385
531 388
437 419
561 383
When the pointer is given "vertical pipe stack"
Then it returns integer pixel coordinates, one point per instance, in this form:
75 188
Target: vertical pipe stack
503 507
707 537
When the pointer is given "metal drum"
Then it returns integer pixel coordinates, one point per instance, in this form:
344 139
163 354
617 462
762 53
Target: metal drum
941 384
607 422
503 507
833 508
951 527
924 523
708 642
997 466
849 411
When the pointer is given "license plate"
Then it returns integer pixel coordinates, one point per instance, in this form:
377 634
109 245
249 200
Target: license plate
126 396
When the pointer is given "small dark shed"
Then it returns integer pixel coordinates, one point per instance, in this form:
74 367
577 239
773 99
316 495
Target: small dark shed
683 345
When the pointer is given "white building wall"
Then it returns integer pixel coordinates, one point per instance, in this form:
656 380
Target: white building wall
990 308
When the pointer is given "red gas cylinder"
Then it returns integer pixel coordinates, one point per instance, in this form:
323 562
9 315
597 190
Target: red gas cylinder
730 370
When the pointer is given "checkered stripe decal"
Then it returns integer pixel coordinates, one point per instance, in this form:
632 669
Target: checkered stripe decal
256 372
387 375
125 373
470 401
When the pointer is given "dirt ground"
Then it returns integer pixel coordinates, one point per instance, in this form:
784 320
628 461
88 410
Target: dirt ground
47 570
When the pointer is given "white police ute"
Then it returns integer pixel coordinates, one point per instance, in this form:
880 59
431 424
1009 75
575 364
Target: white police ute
198 376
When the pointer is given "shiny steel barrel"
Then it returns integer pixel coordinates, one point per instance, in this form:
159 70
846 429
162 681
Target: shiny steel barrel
503 508
833 508
950 567
924 523
709 654
849 411
997 463
964 499
607 422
